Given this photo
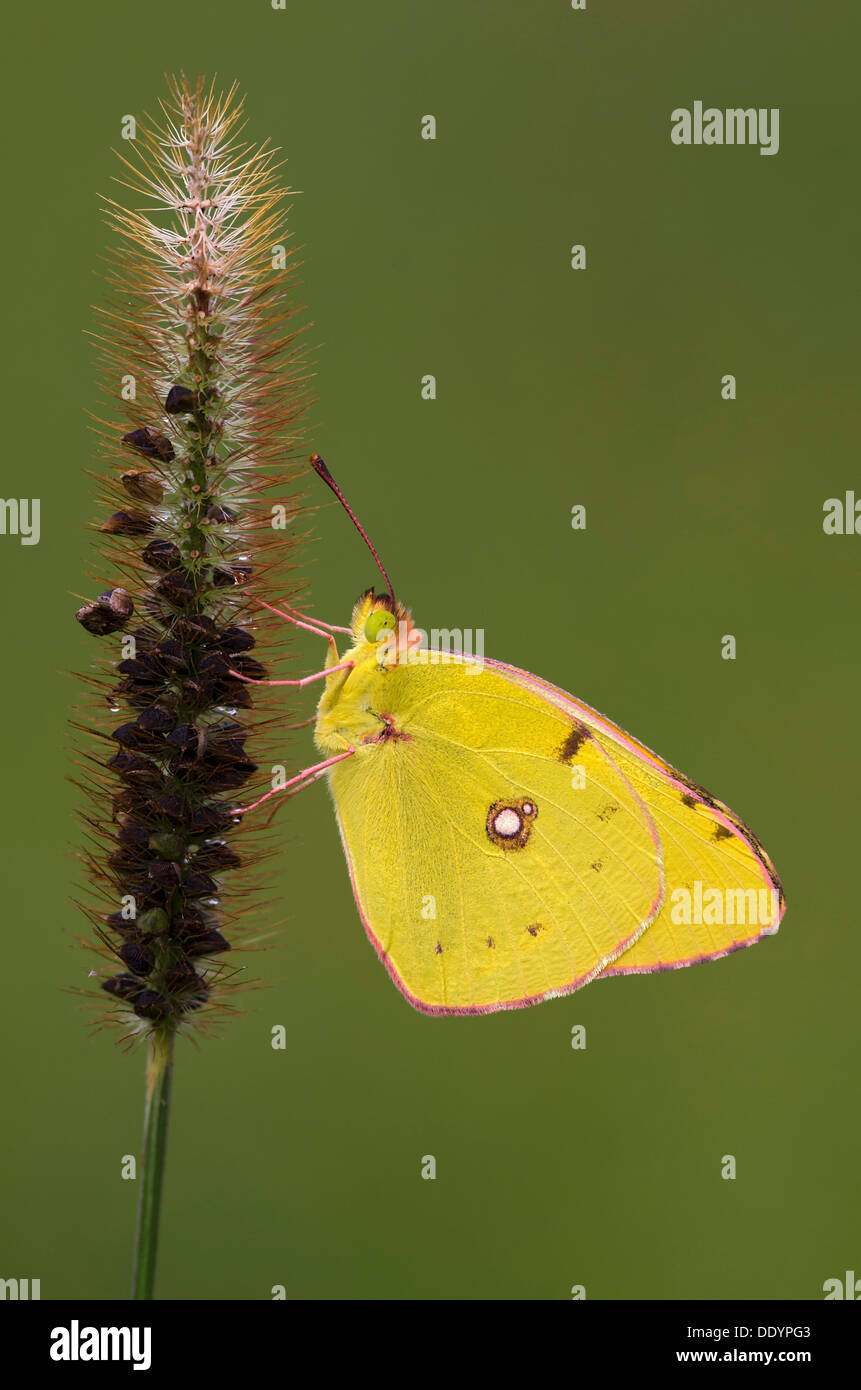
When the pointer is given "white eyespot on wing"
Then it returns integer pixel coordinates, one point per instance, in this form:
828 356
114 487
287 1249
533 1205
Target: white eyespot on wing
507 822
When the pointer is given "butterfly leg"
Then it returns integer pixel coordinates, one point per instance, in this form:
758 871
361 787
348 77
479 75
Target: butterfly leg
315 625
306 680
298 783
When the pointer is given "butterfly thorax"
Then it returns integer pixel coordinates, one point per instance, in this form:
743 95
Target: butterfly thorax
354 708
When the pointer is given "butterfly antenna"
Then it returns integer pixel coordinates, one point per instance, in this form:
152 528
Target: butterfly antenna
319 467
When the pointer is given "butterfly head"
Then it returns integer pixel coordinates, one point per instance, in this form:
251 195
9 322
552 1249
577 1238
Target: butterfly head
380 621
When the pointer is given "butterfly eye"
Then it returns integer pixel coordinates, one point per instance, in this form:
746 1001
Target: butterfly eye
379 622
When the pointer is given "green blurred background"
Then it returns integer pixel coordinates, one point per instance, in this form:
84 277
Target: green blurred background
555 1167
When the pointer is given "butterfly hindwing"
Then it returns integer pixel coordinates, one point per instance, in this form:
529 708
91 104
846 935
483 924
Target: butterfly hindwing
497 858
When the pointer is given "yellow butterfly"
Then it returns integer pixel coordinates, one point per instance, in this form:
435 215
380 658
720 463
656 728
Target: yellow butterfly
506 844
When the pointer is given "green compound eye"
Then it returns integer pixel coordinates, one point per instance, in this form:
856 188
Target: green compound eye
379 622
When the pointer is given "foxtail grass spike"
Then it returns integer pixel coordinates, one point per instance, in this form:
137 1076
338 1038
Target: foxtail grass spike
200 444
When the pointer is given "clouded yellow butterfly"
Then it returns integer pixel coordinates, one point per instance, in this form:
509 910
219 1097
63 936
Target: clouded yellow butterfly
506 844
